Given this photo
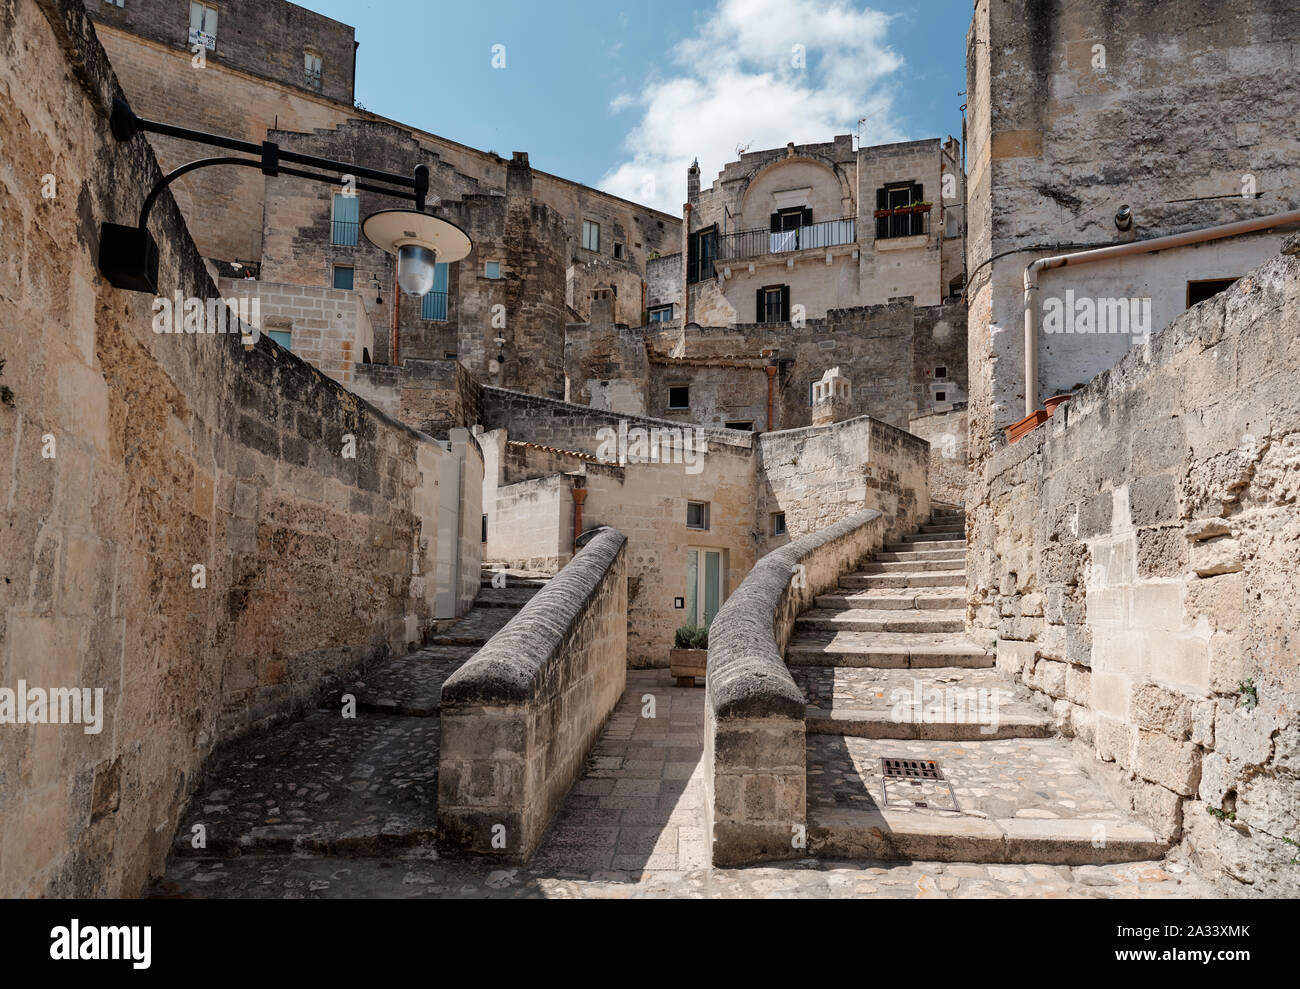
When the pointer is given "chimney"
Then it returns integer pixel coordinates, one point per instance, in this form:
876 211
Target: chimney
693 182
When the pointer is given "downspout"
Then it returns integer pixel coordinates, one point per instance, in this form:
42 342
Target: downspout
579 496
771 382
1201 236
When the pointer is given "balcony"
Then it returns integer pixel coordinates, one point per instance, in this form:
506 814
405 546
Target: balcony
756 243
345 233
903 221
434 307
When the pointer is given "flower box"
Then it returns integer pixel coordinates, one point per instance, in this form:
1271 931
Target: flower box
687 664
1019 430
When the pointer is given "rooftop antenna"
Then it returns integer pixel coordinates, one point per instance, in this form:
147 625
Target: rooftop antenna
863 120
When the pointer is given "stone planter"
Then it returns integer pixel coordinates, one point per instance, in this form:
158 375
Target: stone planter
687 664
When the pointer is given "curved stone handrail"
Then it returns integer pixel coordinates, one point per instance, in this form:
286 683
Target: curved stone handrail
756 764
747 675
520 718
507 670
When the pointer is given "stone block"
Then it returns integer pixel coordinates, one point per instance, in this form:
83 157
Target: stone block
1173 764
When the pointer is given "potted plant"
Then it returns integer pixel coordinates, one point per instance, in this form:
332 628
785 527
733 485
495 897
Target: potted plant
691 656
881 213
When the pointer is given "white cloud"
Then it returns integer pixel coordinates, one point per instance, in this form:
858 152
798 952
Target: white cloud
737 81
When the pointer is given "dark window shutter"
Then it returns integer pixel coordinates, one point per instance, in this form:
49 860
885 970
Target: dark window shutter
776 223
807 216
762 316
882 199
785 303
918 193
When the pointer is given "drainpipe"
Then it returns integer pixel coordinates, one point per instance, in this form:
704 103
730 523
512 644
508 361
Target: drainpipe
771 386
397 308
1118 251
579 496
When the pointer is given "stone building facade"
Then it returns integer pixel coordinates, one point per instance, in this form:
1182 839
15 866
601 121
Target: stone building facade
797 231
550 243
1129 559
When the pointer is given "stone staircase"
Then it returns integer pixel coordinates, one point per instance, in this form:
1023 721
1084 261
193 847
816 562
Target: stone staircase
329 785
888 673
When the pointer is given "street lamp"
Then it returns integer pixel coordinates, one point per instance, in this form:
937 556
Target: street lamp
128 256
419 241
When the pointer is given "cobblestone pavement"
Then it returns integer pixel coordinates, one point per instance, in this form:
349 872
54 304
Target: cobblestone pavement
410 685
633 827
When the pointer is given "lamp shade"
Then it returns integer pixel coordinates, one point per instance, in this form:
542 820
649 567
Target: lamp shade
420 242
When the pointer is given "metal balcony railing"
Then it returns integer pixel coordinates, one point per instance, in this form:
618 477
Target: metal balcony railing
345 233
908 221
755 243
434 307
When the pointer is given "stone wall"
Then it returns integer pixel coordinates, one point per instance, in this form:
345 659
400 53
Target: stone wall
947 433
133 458
755 762
1138 566
820 475
431 396
520 718
1057 92
891 354
328 328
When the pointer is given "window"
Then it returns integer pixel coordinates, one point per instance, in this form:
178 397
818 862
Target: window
448 356
701 254
343 277
785 228
619 251
1200 291
591 235
747 426
679 397
434 304
492 269
311 69
283 337
941 396
778 523
897 212
203 26
347 214
941 372
697 515
706 575
484 539
661 314
774 304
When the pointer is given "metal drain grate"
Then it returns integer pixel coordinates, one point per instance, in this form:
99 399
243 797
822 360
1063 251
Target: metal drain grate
915 772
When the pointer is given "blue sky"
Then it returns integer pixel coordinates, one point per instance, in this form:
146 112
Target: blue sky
621 96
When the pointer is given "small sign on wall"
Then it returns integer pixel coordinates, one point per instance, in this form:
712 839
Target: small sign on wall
679 604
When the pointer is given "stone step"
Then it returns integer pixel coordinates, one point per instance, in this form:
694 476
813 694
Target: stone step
323 784
910 566
944 555
884 650
505 597
476 628
903 578
947 530
914 543
865 620
945 704
923 599
1020 800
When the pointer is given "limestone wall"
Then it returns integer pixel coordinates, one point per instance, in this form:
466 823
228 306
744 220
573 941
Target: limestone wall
946 432
1138 566
755 762
519 719
133 458
328 328
822 474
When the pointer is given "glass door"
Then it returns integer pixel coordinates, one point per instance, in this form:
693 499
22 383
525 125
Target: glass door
705 581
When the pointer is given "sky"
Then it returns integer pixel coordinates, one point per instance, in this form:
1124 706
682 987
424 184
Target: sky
624 96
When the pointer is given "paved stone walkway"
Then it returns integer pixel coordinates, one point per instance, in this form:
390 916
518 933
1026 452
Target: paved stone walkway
633 828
